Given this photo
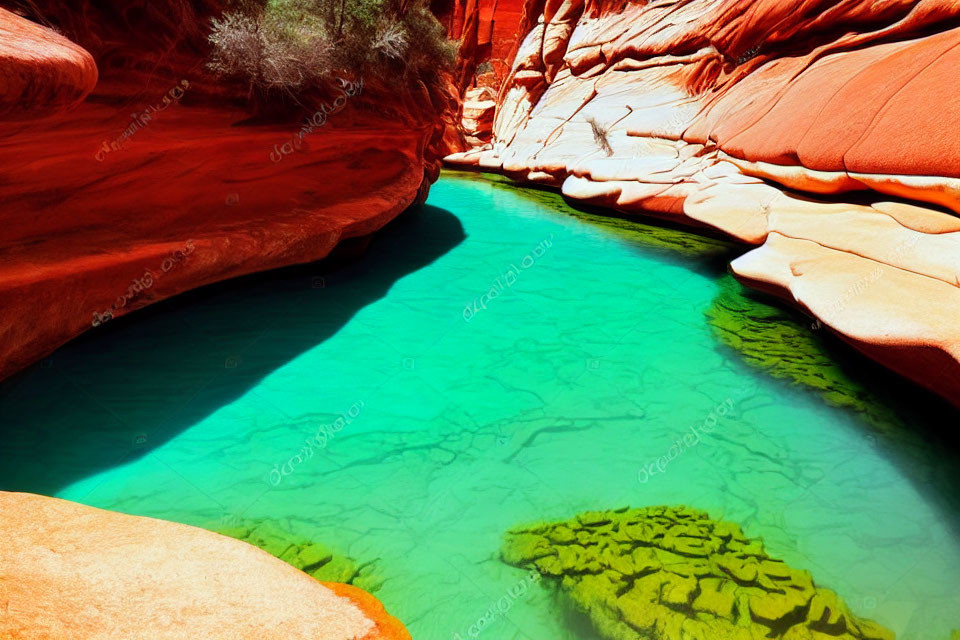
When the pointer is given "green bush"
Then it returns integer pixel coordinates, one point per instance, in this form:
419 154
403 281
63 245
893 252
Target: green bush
289 47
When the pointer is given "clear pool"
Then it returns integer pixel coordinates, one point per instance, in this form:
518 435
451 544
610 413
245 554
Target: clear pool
495 361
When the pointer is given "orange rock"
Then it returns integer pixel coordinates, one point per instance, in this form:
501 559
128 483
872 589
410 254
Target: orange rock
72 570
68 261
41 72
386 627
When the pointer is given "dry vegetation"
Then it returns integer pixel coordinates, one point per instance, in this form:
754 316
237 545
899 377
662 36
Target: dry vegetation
601 136
284 48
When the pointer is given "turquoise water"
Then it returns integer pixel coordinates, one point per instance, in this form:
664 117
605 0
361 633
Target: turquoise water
494 363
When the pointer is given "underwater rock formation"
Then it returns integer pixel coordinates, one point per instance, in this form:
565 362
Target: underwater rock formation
671 572
72 570
162 180
312 558
776 341
823 131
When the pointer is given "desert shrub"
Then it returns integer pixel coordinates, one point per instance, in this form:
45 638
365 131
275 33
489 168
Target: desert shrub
433 51
391 41
288 47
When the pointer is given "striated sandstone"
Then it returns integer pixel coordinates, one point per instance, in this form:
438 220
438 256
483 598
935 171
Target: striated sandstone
79 233
41 72
830 123
68 569
477 121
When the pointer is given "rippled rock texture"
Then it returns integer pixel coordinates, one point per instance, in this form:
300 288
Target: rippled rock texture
671 572
823 132
41 72
68 570
161 180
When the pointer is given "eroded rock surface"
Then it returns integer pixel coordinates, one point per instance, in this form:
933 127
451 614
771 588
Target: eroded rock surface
67 570
823 131
671 572
477 121
41 72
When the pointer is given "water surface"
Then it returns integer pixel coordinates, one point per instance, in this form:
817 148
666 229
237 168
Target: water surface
495 362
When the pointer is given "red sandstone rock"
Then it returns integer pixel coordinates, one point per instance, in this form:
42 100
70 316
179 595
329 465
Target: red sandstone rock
488 28
477 120
702 101
67 570
41 72
190 178
189 182
134 197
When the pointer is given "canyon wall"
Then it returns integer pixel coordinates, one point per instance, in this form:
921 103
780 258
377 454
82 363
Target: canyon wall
129 174
823 133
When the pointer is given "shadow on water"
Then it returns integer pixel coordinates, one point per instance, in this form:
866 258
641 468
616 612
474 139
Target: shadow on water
119 392
905 423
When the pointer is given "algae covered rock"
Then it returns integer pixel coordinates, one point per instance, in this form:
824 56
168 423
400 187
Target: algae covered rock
672 573
778 342
310 557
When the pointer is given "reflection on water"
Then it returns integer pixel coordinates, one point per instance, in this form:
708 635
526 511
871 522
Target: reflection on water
549 400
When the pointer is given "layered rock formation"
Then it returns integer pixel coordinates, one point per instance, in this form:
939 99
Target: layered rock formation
671 572
487 29
68 570
160 180
823 132
479 104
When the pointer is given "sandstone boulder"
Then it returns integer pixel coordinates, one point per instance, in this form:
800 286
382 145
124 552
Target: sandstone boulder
72 571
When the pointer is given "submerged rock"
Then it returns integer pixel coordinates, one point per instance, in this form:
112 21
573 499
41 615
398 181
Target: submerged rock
671 572
312 558
776 341
68 570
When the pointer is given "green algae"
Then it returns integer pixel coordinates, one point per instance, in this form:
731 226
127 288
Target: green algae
782 342
671 572
784 345
314 559
776 340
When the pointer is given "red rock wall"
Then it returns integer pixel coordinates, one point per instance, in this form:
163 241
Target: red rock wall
43 72
823 131
488 31
197 193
